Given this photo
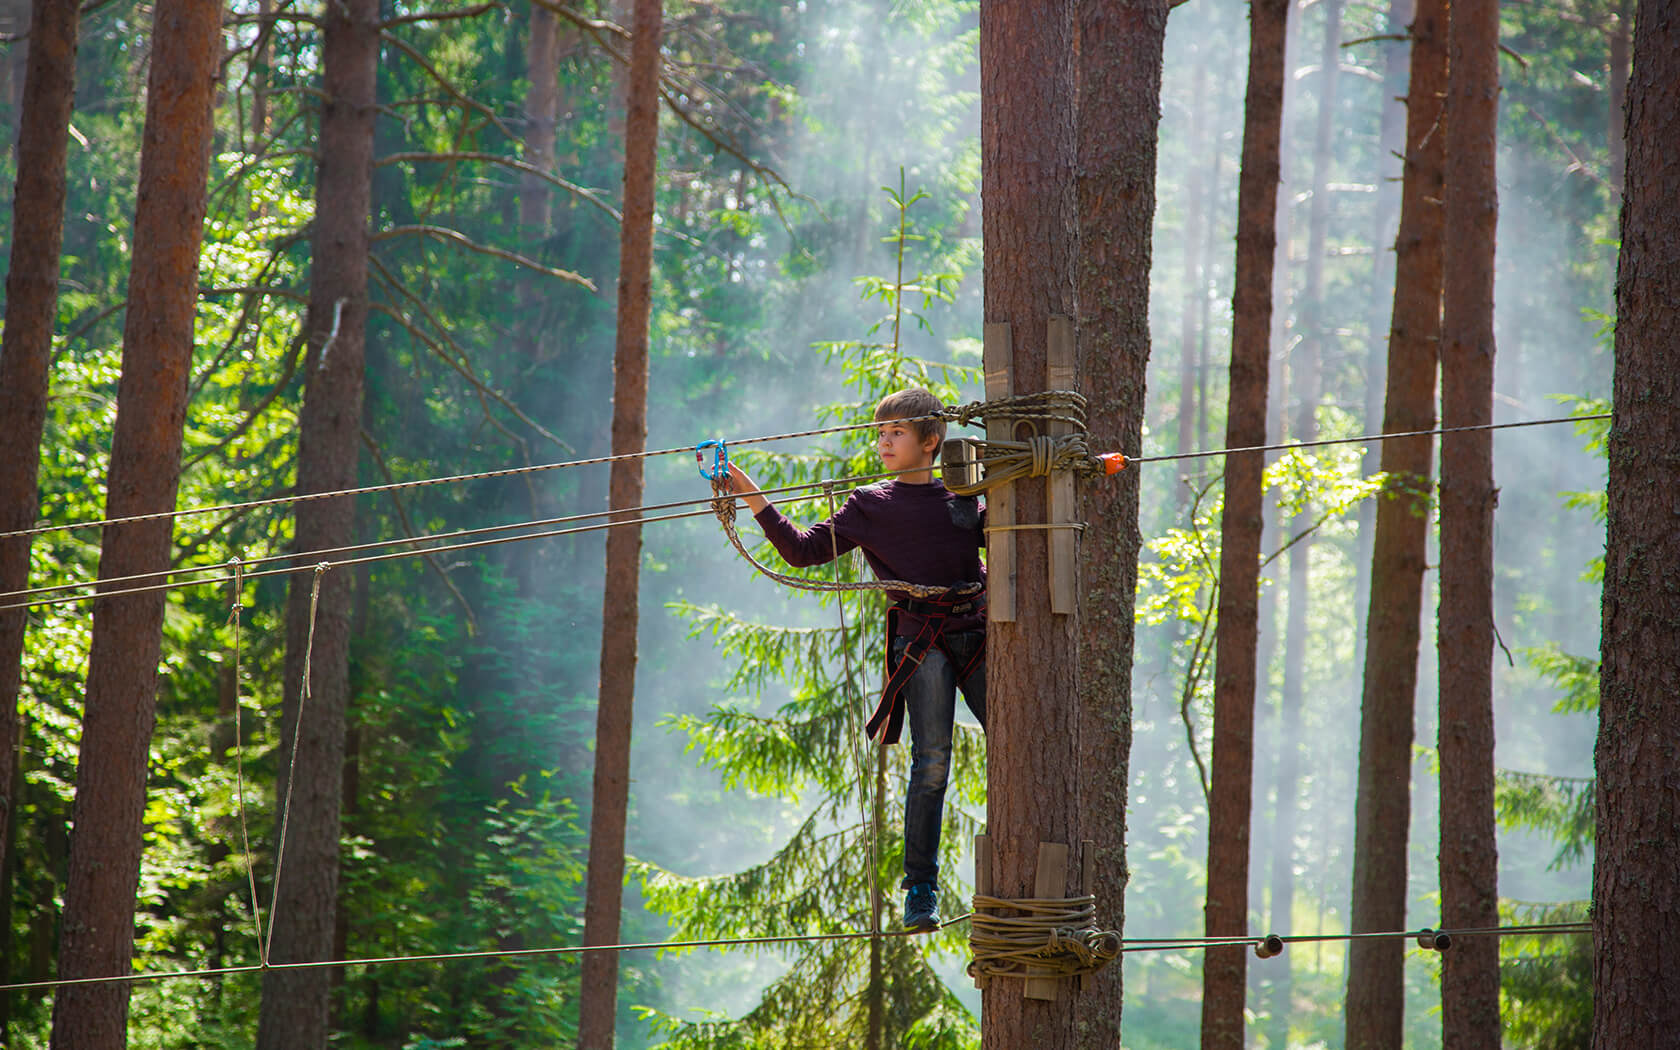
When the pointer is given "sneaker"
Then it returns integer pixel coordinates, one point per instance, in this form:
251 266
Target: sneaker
921 904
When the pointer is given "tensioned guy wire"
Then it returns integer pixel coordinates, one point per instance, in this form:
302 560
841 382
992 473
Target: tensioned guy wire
10 597
706 502
509 472
1129 944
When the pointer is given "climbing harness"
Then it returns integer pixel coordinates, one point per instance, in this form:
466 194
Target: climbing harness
886 724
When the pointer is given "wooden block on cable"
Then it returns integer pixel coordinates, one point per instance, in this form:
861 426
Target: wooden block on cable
998 354
1049 880
1059 492
982 876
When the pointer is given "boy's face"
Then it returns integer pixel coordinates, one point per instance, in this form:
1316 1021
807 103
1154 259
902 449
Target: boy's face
899 447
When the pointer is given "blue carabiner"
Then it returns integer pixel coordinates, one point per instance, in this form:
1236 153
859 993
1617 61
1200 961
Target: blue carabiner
720 459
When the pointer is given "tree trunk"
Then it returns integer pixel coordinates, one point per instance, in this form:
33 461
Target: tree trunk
598 1005
1028 152
1226 913
1118 82
1391 142
1620 38
296 1004
1636 908
1195 266
26 344
1469 863
1305 384
1382 814
119 711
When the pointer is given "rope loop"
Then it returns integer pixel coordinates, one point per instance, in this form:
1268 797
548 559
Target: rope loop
1050 937
723 505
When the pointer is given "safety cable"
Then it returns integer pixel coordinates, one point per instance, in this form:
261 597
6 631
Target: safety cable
391 486
963 415
11 596
1129 944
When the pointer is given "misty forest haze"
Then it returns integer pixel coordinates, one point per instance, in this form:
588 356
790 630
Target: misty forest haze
816 244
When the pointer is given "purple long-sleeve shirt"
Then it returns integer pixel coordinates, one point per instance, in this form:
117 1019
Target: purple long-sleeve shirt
915 533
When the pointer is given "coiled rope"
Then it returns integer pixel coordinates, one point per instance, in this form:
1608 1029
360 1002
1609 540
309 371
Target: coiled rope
1050 937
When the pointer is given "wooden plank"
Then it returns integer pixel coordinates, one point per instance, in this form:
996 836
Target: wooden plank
1064 543
959 463
982 876
1049 880
998 354
1087 884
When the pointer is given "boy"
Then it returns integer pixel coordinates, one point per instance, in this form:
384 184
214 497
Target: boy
911 528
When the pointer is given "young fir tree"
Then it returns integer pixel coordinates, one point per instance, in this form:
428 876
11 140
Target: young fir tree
812 751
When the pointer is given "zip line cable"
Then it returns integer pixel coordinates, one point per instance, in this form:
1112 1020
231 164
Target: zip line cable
707 501
962 415
393 486
1129 944
11 597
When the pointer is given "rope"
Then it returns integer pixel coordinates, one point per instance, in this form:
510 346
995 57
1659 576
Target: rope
959 415
724 507
1050 937
1128 945
1035 457
1106 463
239 750
291 769
1364 438
704 502
872 828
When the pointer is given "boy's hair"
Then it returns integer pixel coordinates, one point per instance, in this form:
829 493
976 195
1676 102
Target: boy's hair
909 404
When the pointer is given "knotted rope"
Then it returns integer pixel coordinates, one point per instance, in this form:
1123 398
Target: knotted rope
1046 937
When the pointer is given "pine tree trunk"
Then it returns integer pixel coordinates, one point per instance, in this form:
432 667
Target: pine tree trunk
598 1004
119 709
1118 80
1621 32
26 343
1226 914
296 1004
1391 143
1469 863
1636 906
1305 384
1028 152
1195 267
1382 812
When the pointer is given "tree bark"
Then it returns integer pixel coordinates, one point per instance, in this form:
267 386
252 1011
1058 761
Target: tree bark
1391 143
119 710
1118 84
1028 152
26 345
1306 383
1236 637
1621 33
1636 902
1195 268
598 1005
1382 813
1469 863
296 1004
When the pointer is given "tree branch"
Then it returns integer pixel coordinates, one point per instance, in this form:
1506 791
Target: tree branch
456 237
408 527
443 16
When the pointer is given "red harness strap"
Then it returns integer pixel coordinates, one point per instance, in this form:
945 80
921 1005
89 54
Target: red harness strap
887 723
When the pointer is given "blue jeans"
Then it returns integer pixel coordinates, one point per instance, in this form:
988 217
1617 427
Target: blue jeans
930 699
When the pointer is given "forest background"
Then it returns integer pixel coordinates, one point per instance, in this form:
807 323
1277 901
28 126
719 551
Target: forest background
780 267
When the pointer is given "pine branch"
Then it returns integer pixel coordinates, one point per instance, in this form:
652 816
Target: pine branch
447 235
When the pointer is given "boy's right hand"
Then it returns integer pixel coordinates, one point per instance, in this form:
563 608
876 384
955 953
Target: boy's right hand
740 483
